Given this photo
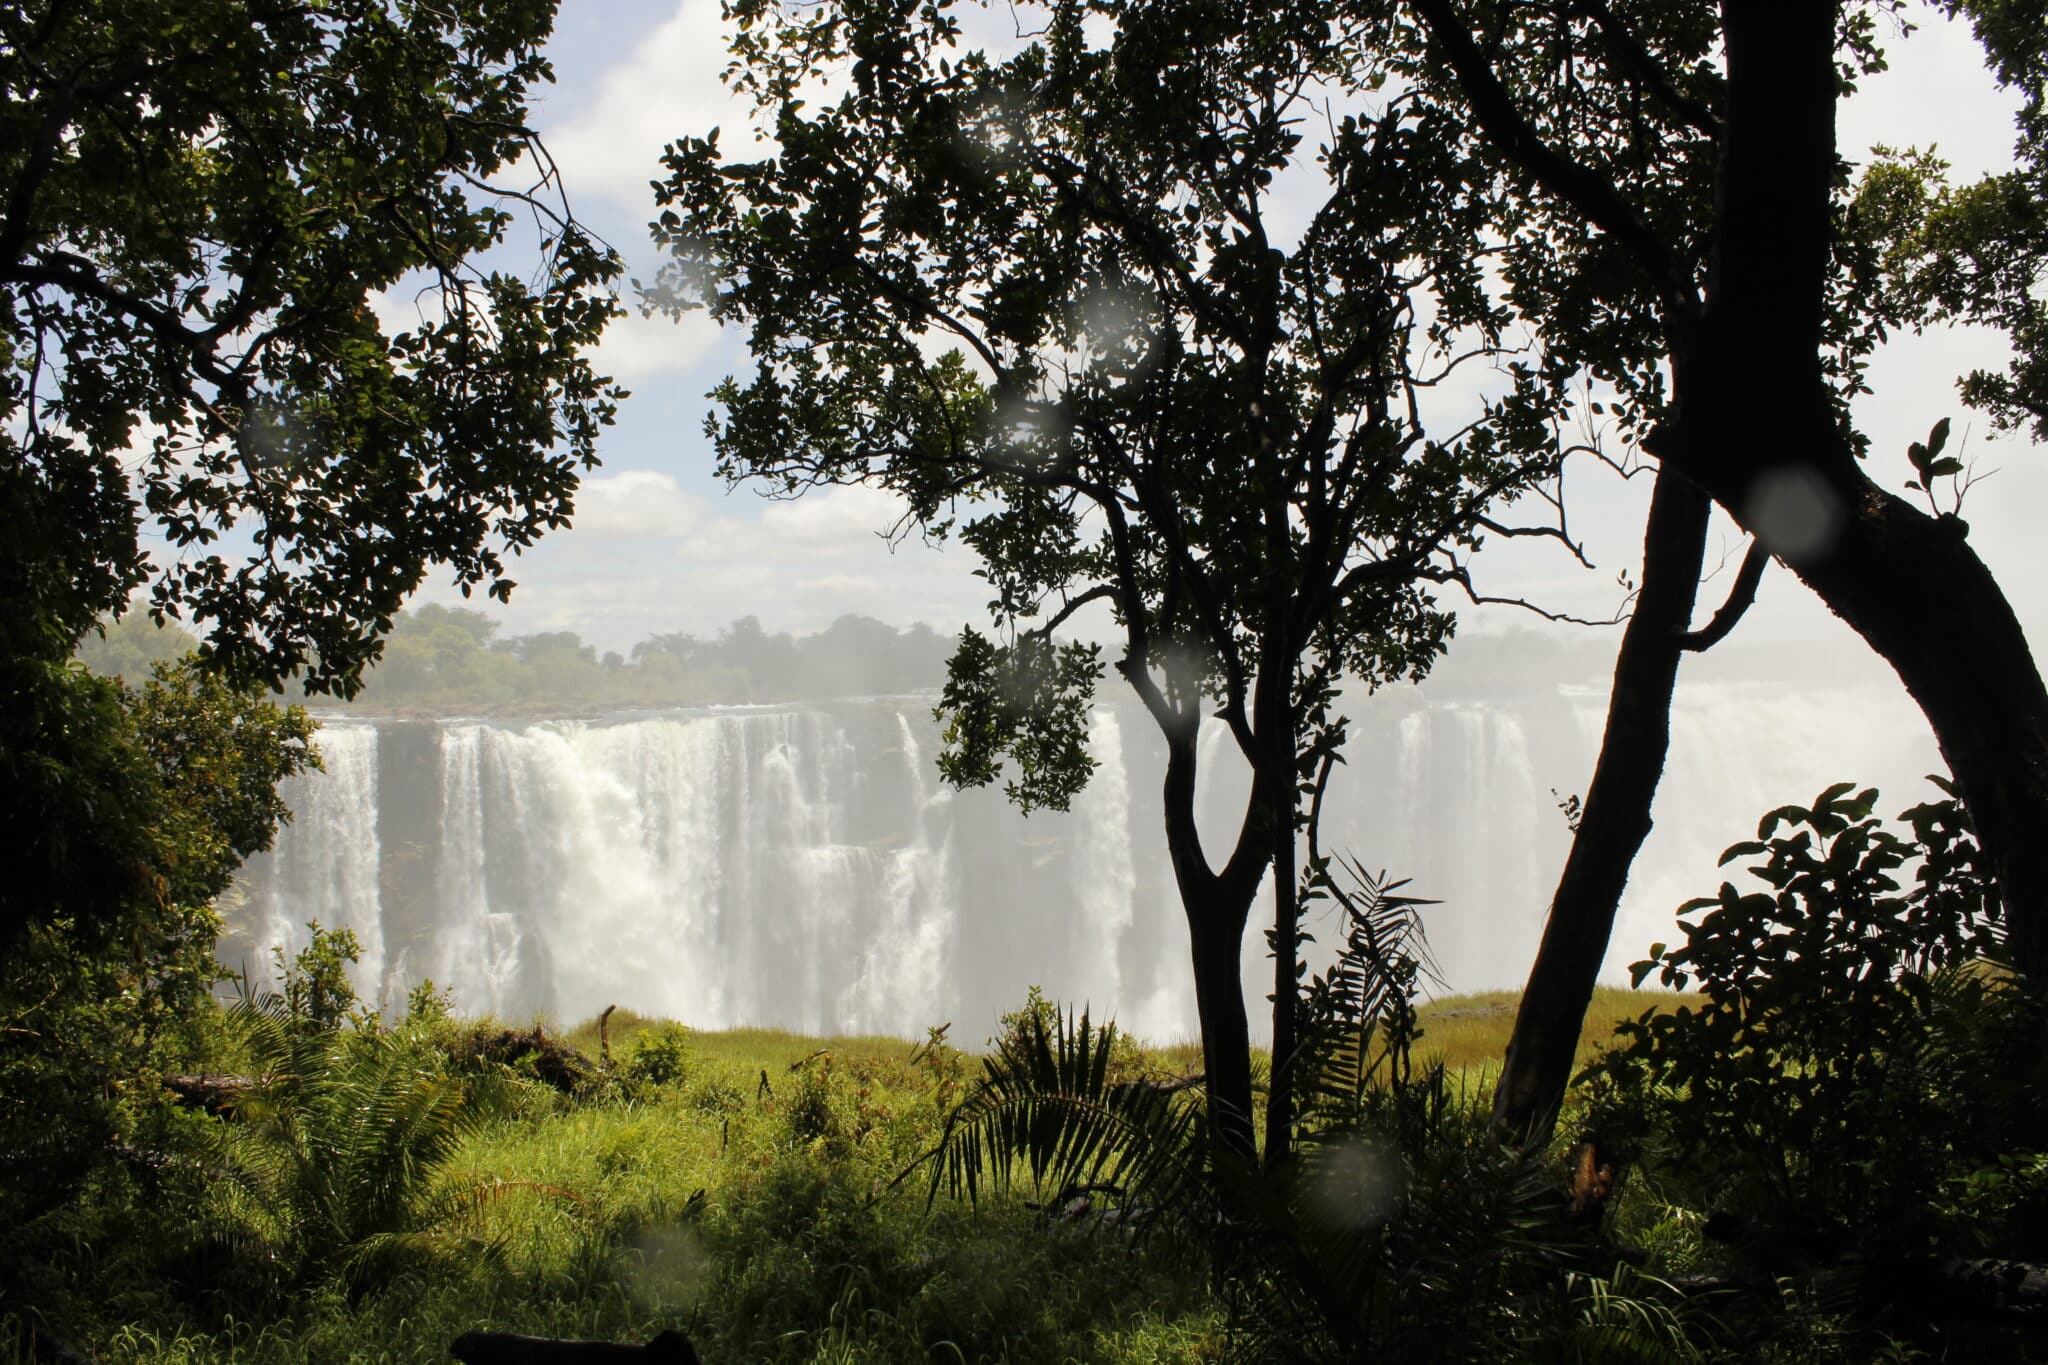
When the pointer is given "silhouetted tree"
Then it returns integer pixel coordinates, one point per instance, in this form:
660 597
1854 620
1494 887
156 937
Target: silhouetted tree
1160 402
1678 224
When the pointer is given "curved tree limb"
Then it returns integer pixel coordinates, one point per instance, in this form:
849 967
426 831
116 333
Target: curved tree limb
1740 596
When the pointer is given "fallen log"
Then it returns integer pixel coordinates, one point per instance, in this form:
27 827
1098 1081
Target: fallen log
1999 1290
509 1348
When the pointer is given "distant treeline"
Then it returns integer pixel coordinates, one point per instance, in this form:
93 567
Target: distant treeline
449 659
441 659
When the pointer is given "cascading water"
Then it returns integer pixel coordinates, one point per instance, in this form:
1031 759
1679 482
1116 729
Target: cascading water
806 868
324 868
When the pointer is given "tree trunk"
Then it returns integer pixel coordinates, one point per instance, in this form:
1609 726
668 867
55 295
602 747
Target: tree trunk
1226 1038
1760 432
1217 905
1280 1106
1613 823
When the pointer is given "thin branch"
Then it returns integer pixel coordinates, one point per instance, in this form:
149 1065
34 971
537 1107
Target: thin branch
1586 190
1462 576
1740 595
1556 533
1100 592
1636 58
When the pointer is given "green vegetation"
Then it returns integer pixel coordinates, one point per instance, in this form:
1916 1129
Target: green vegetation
101 992
446 658
365 1189
450 659
206 204
387 1190
1834 1150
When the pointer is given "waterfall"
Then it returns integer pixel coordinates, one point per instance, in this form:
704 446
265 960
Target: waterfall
324 867
805 867
1102 876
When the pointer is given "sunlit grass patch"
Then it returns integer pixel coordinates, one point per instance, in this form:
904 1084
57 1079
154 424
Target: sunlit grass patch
1471 1031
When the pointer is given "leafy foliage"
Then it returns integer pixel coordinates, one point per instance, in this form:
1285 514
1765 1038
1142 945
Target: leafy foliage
1857 1055
1047 1098
99 996
1088 224
341 1145
206 204
661 1055
1977 252
1399 1229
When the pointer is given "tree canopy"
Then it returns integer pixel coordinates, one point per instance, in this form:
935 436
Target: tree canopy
203 209
1050 300
206 206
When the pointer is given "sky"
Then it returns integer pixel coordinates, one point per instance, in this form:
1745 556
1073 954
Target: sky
660 544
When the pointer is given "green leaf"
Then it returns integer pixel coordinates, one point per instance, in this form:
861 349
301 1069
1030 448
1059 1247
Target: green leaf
1741 850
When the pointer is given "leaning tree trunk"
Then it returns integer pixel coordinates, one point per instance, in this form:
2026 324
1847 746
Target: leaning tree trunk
1760 432
1614 820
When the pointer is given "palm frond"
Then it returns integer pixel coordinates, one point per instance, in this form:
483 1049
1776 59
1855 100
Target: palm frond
1630 1317
1359 1016
1046 1101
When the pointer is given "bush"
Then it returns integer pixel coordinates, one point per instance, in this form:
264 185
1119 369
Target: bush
662 1055
1039 1017
1860 1062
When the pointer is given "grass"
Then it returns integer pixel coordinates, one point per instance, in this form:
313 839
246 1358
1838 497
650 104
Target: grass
1469 1033
748 1200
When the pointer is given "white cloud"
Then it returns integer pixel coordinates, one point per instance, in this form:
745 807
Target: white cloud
411 304
1936 93
637 348
668 88
635 503
644 556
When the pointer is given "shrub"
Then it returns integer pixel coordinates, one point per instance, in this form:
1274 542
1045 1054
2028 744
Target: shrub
662 1055
1857 1053
1039 1017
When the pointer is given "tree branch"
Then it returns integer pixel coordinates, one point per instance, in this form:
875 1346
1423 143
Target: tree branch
1740 595
1100 592
62 270
1587 191
1629 50
1462 576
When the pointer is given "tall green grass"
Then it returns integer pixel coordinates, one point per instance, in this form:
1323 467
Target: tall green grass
748 1199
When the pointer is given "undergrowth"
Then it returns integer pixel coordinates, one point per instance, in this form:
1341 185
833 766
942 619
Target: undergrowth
739 1185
